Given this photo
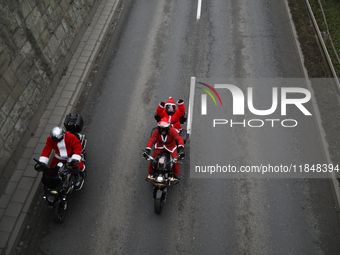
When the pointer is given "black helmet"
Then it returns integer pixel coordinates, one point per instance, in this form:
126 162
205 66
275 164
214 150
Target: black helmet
170 109
170 106
57 134
163 125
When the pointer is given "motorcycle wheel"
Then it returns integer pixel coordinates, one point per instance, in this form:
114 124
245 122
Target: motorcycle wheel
158 205
59 212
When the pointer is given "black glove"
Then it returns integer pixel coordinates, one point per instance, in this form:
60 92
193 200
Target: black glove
180 152
157 117
183 119
73 162
146 153
39 166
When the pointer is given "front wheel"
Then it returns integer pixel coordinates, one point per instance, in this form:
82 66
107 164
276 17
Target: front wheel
158 205
59 212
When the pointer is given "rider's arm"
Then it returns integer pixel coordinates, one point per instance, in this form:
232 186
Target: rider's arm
161 109
153 139
76 146
181 107
178 138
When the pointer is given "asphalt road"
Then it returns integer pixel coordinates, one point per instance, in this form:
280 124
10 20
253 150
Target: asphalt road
152 55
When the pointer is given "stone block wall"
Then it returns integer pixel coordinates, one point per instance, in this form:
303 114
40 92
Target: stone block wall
37 40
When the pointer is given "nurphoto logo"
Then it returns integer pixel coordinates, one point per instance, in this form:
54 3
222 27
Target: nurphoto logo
294 96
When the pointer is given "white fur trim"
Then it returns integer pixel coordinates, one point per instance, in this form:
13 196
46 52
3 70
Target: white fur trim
164 138
156 147
177 130
171 150
43 160
76 157
62 149
61 158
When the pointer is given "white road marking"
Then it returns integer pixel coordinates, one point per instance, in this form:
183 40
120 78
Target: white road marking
191 104
199 5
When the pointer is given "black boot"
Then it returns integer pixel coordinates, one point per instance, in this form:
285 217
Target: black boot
79 182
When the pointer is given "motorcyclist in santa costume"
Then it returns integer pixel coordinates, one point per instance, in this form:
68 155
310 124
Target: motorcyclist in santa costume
168 110
67 147
164 138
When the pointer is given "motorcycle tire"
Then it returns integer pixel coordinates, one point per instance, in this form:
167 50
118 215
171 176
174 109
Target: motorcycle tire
158 205
83 156
59 212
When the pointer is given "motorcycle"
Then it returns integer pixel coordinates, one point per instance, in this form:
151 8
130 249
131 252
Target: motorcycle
162 177
59 181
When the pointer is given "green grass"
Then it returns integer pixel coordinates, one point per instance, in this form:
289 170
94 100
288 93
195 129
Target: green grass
332 14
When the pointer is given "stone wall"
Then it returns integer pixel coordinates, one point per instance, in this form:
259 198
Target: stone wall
37 40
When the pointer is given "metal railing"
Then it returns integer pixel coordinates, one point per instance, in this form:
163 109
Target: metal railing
322 44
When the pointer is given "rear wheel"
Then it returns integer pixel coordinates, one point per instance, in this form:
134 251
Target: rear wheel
59 212
158 205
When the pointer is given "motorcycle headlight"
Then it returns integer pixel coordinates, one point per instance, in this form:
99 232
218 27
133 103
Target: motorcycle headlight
160 179
50 199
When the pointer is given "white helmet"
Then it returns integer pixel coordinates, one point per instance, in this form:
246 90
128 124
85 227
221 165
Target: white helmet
57 134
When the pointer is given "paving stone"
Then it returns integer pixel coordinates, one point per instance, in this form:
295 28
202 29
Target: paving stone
66 94
39 148
55 119
63 102
59 110
25 183
71 87
28 153
13 209
4 236
30 171
76 75
4 200
7 223
20 195
32 142
11 186
18 173
44 136
51 105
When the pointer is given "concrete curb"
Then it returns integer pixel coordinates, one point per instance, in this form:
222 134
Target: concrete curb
17 198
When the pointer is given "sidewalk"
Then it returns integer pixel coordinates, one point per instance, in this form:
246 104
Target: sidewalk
16 200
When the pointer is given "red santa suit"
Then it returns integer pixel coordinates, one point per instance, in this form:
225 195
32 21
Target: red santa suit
174 118
165 143
67 149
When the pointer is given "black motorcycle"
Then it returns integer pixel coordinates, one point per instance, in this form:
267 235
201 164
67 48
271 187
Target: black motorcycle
162 178
59 181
